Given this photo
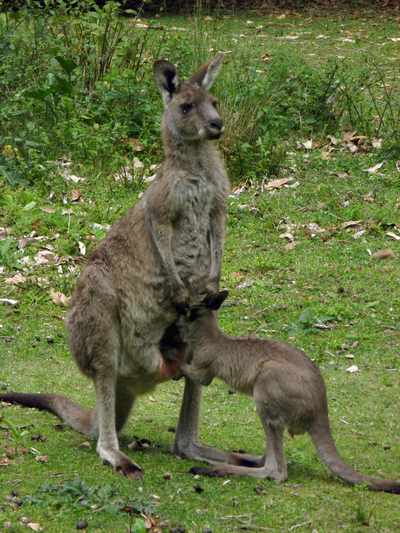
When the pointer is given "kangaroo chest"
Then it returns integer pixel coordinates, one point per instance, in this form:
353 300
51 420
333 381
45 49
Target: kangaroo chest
191 241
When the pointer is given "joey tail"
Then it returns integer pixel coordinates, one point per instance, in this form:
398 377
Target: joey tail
72 414
323 441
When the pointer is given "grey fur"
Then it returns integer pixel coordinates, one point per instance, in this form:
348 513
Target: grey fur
287 387
165 251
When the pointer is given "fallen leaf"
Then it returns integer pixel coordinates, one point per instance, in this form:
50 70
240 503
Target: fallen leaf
352 369
4 233
59 298
386 253
5 461
42 458
82 248
8 301
43 257
350 224
277 184
290 246
48 209
375 168
245 284
349 136
313 229
75 195
136 145
376 143
333 140
16 280
308 144
389 234
35 526
287 235
359 234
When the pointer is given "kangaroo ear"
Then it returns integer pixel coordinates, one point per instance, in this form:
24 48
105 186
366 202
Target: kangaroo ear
214 301
166 78
207 74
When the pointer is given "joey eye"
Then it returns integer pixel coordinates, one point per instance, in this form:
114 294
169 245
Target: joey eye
215 104
185 108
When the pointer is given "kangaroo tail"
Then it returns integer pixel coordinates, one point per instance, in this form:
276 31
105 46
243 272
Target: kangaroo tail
323 441
72 414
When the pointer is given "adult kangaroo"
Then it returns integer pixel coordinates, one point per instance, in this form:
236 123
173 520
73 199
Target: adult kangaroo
163 255
287 388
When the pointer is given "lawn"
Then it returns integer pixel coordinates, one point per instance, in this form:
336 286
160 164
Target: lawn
311 257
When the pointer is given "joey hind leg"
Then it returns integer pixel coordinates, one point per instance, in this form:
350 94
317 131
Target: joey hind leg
107 420
273 465
186 439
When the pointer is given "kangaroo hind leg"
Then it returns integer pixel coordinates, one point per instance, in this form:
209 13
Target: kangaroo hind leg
107 444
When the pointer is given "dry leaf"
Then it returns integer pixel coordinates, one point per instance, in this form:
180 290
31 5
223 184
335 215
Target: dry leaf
289 236
290 246
350 224
5 461
277 184
59 298
333 140
8 301
42 458
376 143
386 253
245 284
136 145
82 248
43 257
352 369
349 136
4 233
16 280
352 147
35 526
375 168
313 229
389 234
75 195
308 144
48 209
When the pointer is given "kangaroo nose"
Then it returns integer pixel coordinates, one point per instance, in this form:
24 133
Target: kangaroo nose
216 123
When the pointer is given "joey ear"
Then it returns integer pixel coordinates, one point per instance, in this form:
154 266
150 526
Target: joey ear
207 74
166 78
215 301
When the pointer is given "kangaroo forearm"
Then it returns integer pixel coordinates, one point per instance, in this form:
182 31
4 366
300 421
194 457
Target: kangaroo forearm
217 235
161 235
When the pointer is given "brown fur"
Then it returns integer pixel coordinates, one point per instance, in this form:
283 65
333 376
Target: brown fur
287 387
166 251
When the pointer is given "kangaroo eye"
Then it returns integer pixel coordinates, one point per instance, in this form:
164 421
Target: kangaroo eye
185 108
215 104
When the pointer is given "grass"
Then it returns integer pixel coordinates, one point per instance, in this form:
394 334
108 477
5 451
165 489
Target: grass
329 277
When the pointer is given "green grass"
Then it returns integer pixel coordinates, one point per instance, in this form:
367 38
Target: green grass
330 277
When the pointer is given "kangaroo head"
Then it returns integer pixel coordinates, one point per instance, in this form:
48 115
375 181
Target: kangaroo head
190 110
204 311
